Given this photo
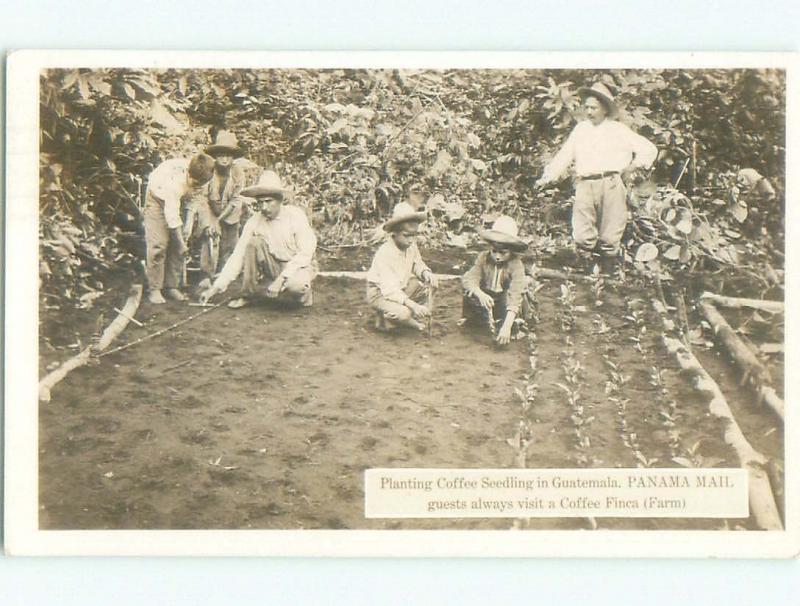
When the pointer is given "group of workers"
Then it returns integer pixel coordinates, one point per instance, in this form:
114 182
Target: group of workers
204 202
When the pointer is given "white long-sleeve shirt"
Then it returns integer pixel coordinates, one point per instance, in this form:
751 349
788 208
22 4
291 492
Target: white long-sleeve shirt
169 183
289 237
392 268
609 146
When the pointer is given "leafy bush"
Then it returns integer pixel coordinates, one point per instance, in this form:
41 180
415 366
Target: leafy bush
352 143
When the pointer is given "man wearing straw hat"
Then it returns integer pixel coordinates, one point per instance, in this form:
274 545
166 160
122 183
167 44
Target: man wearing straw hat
224 191
495 287
275 253
398 279
212 217
601 149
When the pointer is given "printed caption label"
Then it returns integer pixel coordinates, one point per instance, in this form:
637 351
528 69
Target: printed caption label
546 493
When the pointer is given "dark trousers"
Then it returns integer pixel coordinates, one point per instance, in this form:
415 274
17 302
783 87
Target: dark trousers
474 313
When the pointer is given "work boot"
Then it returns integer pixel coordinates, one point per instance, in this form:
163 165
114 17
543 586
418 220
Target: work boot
609 265
156 298
586 263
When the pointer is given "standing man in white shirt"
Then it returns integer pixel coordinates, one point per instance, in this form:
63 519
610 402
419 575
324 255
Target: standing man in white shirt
275 252
601 150
168 185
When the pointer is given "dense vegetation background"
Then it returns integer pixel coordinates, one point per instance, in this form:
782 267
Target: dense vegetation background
468 143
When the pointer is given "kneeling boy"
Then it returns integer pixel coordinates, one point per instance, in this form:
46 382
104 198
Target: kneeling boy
398 279
495 286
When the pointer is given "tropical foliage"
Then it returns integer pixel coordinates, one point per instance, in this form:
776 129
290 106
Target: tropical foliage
352 143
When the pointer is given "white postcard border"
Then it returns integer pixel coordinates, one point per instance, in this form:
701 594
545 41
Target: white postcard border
22 535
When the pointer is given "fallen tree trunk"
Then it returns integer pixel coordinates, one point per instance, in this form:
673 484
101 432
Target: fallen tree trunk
555 274
773 401
362 275
740 353
762 501
539 272
773 307
109 334
753 369
544 272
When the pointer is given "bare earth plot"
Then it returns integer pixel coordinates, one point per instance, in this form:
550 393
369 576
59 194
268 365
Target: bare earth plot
266 417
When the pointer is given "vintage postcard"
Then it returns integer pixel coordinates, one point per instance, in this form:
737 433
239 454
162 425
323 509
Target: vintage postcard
401 304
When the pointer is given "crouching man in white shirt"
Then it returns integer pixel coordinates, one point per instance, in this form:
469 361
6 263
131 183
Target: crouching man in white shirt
275 252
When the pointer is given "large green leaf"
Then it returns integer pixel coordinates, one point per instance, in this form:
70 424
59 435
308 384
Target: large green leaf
646 252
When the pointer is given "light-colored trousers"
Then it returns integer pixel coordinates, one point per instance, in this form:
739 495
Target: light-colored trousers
599 214
164 264
261 268
391 310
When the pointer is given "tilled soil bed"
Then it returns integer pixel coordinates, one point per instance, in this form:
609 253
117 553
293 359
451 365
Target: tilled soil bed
266 417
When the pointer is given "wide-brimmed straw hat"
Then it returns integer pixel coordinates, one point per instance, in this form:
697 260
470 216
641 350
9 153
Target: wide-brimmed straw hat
269 184
402 213
225 143
600 91
504 231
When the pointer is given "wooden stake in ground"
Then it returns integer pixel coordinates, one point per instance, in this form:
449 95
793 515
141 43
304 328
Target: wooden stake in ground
110 333
773 307
430 310
488 315
754 371
762 501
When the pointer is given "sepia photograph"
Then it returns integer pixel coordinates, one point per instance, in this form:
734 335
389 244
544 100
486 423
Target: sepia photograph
262 288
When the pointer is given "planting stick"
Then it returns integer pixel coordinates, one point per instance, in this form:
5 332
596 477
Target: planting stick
752 368
430 309
132 319
683 171
773 307
488 315
213 252
762 501
110 333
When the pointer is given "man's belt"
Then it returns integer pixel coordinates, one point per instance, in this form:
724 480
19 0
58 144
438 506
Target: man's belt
595 176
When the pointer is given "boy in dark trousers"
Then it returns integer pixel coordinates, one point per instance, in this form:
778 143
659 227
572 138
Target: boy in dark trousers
495 287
